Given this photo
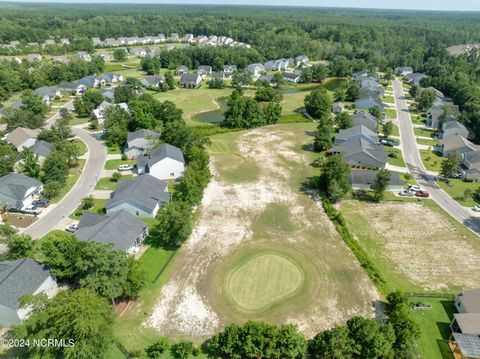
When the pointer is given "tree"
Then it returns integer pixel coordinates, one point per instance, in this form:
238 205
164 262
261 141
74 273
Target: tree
343 120
380 185
52 189
272 112
414 91
80 317
334 179
155 350
216 84
323 136
353 91
123 93
19 246
87 203
194 181
8 154
169 80
451 165
119 55
30 165
116 126
55 168
388 75
306 76
277 79
89 101
174 225
150 65
318 103
135 279
334 344
387 129
426 99
376 112
182 350
266 94
62 252
319 72
33 103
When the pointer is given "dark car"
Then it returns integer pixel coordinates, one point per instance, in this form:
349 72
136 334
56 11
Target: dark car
424 194
41 203
14 209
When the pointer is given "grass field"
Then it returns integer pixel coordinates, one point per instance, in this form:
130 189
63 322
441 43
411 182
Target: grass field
82 147
395 161
432 160
424 132
389 99
456 189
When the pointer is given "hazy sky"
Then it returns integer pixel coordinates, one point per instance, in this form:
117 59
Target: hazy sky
456 5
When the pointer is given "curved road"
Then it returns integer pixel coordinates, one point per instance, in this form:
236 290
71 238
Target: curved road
418 170
97 155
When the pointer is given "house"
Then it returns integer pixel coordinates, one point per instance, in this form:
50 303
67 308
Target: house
42 149
466 325
143 196
100 112
470 167
182 69
137 51
103 54
369 82
366 103
111 42
204 70
152 81
138 142
64 41
290 63
273 65
219 75
255 69
338 107
452 127
359 75
365 119
364 179
372 91
89 82
229 69
34 57
22 137
189 38
190 80
301 60
24 276
360 152
457 143
169 47
61 59
164 162
48 93
440 109
18 191
122 229
292 77
70 87
96 41
48 42
403 71
174 37
266 79
354 133
161 37
415 78
82 55
109 78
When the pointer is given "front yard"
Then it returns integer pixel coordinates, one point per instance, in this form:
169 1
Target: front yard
424 132
108 184
461 191
395 161
98 208
113 164
432 160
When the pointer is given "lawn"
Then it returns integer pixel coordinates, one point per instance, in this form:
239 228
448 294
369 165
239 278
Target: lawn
432 143
418 120
424 132
434 327
389 99
113 164
79 120
395 161
390 113
73 175
114 150
456 189
98 208
108 184
82 147
432 160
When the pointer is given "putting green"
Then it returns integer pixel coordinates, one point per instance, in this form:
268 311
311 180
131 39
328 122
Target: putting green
264 280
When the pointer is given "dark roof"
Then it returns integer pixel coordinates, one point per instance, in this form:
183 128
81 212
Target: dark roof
142 133
360 130
365 119
218 75
453 124
358 145
152 80
469 323
165 150
50 91
120 228
189 78
20 277
42 148
472 157
87 81
290 75
368 177
145 191
14 186
471 300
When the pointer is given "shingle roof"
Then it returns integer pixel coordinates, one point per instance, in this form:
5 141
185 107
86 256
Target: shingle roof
469 323
20 277
152 80
189 78
471 300
146 191
368 177
50 91
469 344
142 133
163 151
290 75
14 186
366 119
453 124
360 130
42 148
472 158
21 134
120 228
358 145
455 142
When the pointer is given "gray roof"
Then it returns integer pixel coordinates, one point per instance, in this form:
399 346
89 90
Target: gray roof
469 344
42 148
142 133
370 99
204 68
87 81
120 228
265 78
189 78
20 277
360 130
108 94
14 186
146 191
456 142
290 75
366 119
358 145
472 158
471 300
67 86
165 150
368 177
182 68
152 80
50 91
453 124
469 323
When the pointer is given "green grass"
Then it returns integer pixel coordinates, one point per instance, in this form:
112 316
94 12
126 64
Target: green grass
108 184
432 143
113 164
114 150
418 120
293 118
78 120
391 113
456 189
431 160
82 147
389 99
98 208
73 175
395 161
434 327
423 132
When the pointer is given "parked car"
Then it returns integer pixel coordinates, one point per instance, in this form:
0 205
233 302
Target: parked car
389 143
476 208
406 192
14 209
413 188
41 203
125 168
424 194
72 228
32 210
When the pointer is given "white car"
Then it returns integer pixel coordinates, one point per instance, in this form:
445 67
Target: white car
32 210
476 208
72 228
407 192
122 168
414 188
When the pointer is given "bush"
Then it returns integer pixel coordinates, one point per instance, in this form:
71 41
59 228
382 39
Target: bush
159 347
182 350
116 177
52 189
87 203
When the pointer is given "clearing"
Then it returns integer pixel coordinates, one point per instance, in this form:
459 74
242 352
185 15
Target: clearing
255 219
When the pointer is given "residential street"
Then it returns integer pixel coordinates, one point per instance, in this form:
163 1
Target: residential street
97 155
418 170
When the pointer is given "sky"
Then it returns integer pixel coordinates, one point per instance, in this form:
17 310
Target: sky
456 5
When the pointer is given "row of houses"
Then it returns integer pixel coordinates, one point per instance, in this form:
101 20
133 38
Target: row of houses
49 42
277 65
371 92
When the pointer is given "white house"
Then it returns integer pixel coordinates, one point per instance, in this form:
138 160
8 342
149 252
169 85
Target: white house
291 77
21 277
302 60
100 112
164 162
255 69
18 191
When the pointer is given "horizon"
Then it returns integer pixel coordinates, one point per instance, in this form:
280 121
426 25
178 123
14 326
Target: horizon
406 5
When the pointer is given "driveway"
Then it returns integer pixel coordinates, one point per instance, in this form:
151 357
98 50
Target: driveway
418 170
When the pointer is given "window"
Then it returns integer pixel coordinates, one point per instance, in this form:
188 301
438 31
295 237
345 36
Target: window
138 213
172 174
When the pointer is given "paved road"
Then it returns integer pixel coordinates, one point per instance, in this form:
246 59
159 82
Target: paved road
418 170
97 154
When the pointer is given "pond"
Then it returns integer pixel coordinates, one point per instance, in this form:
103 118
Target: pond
215 116
289 91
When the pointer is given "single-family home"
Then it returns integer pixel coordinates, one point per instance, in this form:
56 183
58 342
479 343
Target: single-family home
61 59
174 37
139 142
137 51
83 55
302 60
229 69
163 162
109 78
369 82
189 38
108 94
292 77
143 196
64 41
457 143
466 325
152 81
267 79
42 149
169 47
190 80
355 132
48 93
359 75
111 42
364 179
452 127
161 37
97 42
18 191
49 42
470 167
273 65
219 75
90 82
204 70
103 55
182 69
365 119
24 276
366 103
255 69
440 109
360 152
338 107
372 91
403 71
34 57
100 112
22 137
122 229
415 78
71 87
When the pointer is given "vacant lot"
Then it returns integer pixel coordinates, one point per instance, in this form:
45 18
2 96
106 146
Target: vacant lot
416 245
258 232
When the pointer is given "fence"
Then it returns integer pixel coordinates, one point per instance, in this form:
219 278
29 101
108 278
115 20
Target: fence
431 295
